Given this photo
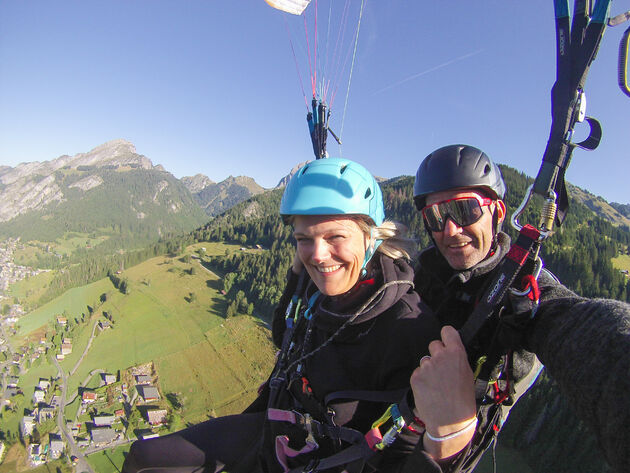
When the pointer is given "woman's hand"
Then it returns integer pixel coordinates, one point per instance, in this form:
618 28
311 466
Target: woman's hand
443 390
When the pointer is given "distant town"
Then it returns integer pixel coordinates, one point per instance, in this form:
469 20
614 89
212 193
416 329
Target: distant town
107 410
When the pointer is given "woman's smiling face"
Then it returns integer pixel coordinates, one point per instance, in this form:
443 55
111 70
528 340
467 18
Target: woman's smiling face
332 249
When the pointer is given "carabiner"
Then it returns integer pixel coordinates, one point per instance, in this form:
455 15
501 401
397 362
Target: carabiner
399 423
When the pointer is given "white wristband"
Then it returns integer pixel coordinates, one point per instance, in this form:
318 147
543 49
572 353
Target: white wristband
444 438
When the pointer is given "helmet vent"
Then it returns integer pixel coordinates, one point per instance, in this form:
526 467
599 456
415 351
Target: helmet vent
368 193
486 169
343 168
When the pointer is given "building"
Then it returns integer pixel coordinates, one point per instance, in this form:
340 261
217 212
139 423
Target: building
103 420
88 397
143 379
156 416
36 454
108 378
102 435
148 393
45 413
27 425
62 320
12 381
38 396
104 324
56 447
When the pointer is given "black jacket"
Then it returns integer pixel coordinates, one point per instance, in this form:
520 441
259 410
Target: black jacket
376 351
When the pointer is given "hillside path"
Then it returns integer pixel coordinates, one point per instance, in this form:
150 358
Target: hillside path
87 347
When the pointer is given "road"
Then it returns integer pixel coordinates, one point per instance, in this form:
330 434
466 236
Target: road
73 449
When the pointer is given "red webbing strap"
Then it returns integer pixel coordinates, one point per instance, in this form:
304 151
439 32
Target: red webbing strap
503 277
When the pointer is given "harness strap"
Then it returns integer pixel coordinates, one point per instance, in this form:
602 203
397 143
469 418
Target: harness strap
351 454
391 396
360 450
504 275
318 429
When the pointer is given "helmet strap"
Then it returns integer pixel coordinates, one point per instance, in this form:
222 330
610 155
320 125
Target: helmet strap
372 245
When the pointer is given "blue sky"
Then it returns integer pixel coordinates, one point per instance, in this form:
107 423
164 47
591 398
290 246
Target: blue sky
211 86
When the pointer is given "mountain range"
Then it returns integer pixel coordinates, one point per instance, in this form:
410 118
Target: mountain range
44 200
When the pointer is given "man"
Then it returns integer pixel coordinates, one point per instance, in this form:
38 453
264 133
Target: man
459 191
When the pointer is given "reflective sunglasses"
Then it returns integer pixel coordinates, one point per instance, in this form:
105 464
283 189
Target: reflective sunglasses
461 210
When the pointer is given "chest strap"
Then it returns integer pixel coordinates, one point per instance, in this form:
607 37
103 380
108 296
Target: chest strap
503 277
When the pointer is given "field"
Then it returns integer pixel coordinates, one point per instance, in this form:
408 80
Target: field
74 302
109 460
621 262
31 289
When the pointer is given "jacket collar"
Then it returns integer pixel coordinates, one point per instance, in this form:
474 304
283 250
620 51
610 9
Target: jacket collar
432 259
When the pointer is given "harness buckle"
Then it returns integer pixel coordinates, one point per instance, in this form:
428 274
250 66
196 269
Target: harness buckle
307 419
393 413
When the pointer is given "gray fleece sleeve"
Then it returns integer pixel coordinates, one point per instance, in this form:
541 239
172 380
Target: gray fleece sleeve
585 346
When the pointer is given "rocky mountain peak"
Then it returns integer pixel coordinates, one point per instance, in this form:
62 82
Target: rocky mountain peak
285 180
196 183
116 152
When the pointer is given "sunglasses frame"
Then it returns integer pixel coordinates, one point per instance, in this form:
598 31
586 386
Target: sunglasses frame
482 201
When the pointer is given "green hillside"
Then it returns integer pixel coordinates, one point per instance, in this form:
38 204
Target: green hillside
171 318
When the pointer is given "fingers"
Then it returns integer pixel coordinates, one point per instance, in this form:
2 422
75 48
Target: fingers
450 341
451 337
424 358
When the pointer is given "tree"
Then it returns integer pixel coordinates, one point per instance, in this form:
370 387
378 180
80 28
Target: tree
229 312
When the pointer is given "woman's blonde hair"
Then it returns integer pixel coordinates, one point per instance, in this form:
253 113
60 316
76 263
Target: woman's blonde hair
393 235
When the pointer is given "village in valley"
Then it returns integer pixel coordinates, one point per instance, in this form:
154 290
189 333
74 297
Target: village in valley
106 410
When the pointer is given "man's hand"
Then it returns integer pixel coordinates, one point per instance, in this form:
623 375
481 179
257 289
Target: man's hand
443 390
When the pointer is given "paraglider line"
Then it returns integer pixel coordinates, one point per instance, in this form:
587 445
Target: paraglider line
310 60
325 68
433 69
297 68
315 48
354 54
337 61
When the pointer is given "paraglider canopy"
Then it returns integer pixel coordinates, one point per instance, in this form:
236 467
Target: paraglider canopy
330 51
295 7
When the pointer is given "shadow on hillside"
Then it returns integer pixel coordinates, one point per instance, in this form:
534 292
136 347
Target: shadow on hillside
218 307
214 284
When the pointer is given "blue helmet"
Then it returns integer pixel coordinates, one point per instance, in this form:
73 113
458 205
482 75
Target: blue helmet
333 186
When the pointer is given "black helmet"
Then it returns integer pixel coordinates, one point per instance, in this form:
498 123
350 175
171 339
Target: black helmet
457 166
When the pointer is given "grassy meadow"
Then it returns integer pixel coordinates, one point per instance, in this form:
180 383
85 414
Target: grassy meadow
621 262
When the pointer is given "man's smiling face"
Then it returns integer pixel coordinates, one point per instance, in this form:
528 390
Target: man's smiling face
464 247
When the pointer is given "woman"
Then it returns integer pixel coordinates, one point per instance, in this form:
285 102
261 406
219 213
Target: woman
350 336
